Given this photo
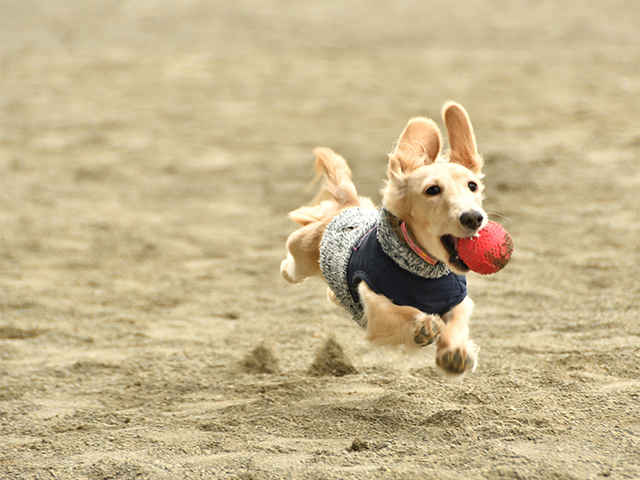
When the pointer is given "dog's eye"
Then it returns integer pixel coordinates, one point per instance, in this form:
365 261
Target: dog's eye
433 190
473 186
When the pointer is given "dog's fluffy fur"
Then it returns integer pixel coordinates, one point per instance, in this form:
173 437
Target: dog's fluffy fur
436 217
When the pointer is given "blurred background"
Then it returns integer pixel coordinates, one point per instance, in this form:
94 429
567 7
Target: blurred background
149 153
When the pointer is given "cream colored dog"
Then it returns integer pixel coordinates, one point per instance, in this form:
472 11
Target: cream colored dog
436 199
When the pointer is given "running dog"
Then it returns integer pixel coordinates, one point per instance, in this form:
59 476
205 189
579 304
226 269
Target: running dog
396 269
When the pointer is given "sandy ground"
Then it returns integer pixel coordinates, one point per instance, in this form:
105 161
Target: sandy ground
149 153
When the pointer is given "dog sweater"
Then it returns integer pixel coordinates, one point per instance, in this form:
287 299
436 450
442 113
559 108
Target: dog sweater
361 244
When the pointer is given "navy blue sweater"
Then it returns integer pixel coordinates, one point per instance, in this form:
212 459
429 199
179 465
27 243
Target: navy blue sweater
370 263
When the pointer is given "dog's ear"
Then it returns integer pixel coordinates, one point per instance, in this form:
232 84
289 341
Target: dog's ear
462 141
418 145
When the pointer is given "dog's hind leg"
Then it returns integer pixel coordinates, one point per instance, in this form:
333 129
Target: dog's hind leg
332 297
303 253
338 192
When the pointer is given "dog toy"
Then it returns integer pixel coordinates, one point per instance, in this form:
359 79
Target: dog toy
487 252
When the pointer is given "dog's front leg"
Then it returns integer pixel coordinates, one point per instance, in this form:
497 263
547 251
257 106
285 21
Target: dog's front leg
456 353
391 324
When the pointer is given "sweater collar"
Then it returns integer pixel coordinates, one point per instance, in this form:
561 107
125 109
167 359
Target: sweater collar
404 250
413 244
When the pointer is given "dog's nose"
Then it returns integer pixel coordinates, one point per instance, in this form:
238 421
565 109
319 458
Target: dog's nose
472 219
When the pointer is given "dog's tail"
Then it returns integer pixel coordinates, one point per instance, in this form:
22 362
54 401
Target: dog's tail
337 191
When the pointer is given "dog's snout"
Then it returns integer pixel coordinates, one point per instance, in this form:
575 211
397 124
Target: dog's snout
472 219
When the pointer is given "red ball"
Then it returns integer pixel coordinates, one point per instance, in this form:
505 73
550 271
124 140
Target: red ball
487 252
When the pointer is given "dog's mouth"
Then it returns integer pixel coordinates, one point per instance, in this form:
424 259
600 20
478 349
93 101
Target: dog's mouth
450 244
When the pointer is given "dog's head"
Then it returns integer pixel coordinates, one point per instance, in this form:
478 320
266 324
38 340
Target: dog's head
439 197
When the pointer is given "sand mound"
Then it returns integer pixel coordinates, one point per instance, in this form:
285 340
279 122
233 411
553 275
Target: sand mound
358 445
331 360
260 360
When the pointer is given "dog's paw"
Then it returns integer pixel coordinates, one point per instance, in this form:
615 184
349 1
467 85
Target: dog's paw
288 270
457 360
427 329
284 272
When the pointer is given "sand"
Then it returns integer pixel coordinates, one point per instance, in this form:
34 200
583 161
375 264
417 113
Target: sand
149 153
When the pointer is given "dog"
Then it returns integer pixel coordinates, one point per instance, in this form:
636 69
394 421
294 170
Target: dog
396 269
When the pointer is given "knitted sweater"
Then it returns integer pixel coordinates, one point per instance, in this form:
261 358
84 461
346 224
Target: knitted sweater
361 244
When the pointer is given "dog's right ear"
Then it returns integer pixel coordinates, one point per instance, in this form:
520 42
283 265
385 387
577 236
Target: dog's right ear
418 145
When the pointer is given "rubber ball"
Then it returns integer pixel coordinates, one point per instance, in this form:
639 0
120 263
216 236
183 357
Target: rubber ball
489 251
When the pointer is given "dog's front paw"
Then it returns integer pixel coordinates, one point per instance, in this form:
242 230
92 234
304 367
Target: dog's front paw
427 329
459 359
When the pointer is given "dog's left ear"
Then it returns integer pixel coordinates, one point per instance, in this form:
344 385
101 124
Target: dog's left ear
462 141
